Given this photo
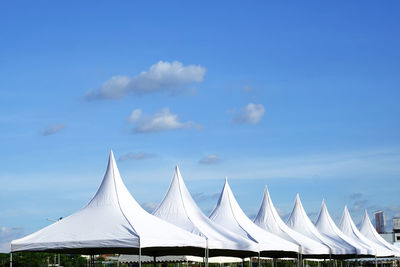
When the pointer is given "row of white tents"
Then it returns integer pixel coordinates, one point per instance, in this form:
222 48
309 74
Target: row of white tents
113 222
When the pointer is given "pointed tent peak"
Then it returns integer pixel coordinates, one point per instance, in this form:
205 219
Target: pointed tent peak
366 218
266 193
366 213
177 169
226 188
323 205
111 158
112 167
177 173
346 214
297 204
346 210
298 201
110 185
323 214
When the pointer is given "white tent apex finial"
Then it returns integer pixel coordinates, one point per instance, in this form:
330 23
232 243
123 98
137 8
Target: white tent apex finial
297 197
323 202
226 179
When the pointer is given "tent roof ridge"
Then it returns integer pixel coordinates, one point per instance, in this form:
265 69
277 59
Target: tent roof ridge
112 161
178 173
228 189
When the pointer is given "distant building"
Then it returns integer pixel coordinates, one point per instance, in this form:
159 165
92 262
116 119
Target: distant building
394 236
380 221
389 237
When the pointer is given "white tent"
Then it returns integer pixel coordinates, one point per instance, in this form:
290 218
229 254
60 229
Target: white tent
179 208
123 258
229 215
368 230
327 227
269 219
112 222
299 221
348 227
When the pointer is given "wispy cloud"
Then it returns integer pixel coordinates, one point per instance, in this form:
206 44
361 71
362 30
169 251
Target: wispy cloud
160 121
359 205
356 195
8 234
53 129
202 197
250 114
161 77
135 156
355 164
210 159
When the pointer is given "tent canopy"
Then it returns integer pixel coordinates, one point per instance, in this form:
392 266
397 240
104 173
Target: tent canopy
327 227
269 219
135 258
179 208
112 222
348 227
300 222
228 214
368 230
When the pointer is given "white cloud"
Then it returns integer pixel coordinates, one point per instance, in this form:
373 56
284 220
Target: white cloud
135 115
210 159
53 129
135 156
7 235
252 114
160 121
161 77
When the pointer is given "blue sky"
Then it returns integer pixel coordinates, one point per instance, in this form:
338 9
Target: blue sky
302 97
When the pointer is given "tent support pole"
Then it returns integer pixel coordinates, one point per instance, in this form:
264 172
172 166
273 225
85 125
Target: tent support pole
330 260
154 261
140 256
10 259
376 262
301 260
250 261
259 261
206 256
298 259
243 262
